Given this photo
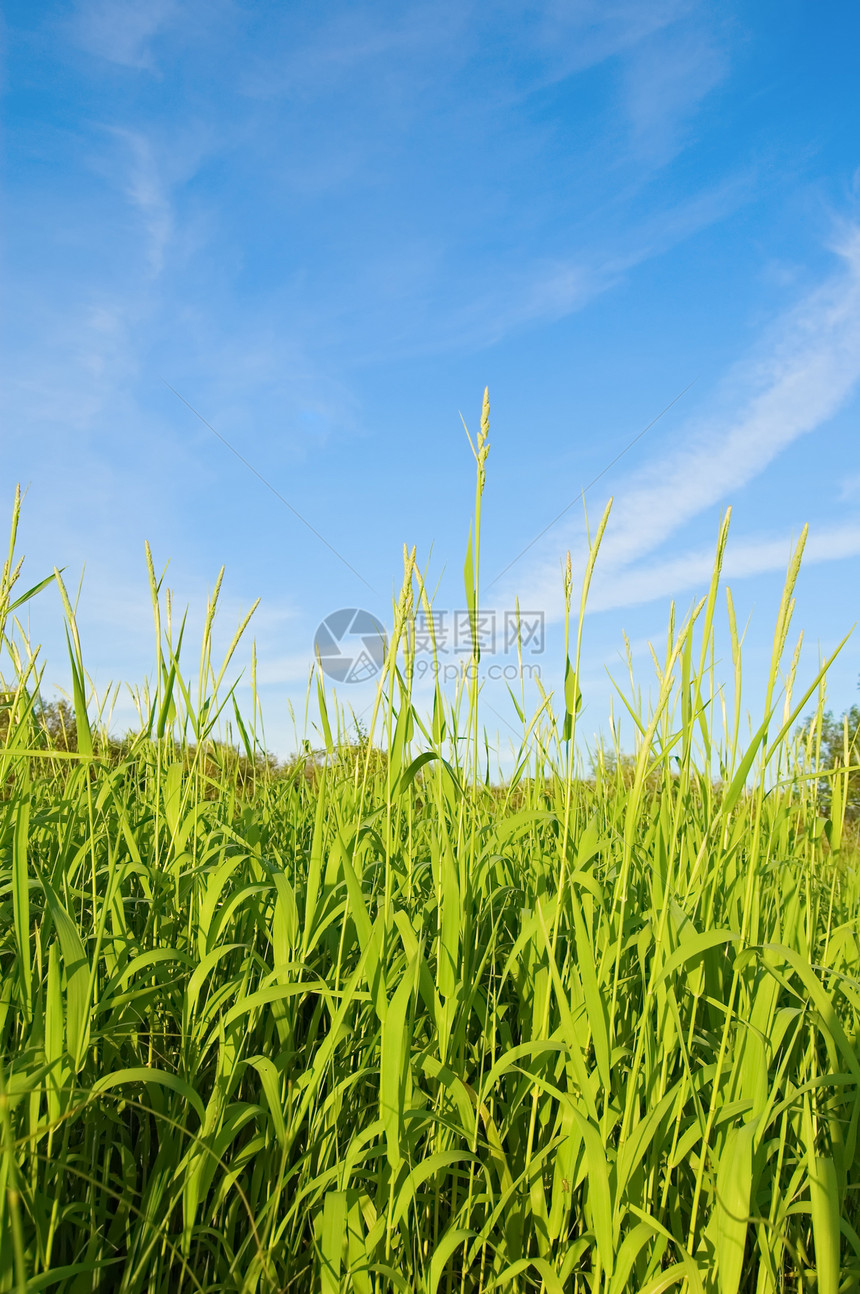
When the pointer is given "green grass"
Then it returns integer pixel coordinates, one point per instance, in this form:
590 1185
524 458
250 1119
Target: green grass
388 1026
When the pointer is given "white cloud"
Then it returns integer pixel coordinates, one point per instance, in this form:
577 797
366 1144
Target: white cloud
666 82
672 55
575 36
813 368
809 372
146 189
293 668
546 290
85 357
122 31
347 41
693 570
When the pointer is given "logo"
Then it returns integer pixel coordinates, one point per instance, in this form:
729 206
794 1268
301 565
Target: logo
350 645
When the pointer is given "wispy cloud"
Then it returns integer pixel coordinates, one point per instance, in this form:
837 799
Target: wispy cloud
666 84
850 488
286 670
672 54
549 289
812 369
572 37
85 358
523 294
809 371
146 189
311 60
122 31
748 557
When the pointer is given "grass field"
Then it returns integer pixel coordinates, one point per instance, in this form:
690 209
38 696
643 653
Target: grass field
372 1023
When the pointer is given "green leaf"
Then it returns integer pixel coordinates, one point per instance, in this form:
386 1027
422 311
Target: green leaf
451 1241
21 897
734 1185
394 1066
572 692
422 1173
77 969
696 946
31 593
824 1198
82 723
599 1192
150 1076
414 768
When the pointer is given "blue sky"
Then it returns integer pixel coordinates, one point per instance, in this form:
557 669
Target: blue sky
328 227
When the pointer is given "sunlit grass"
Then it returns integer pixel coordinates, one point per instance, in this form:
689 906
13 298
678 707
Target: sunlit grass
391 1027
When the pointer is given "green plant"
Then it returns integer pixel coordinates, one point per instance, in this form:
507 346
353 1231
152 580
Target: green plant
373 1023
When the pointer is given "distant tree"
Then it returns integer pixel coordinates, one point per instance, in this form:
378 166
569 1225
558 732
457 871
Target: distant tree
833 755
57 720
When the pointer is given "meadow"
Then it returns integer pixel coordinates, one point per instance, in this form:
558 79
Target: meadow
374 1021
